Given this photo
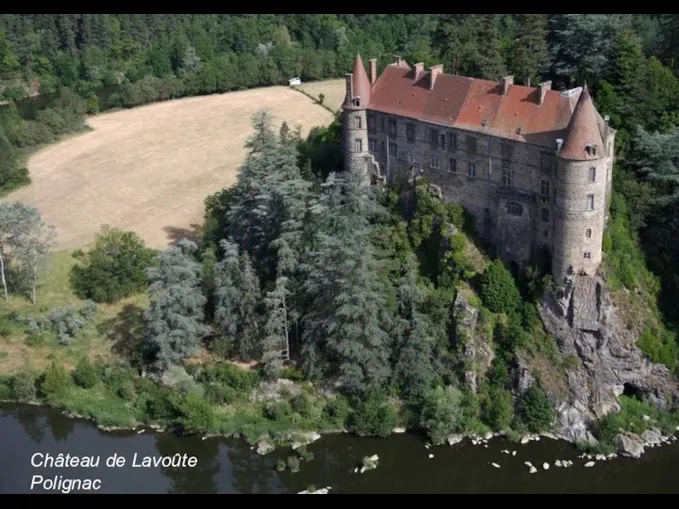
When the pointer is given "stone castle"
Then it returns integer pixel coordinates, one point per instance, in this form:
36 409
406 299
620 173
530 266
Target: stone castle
531 164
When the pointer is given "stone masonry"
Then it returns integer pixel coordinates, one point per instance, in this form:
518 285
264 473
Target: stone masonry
531 164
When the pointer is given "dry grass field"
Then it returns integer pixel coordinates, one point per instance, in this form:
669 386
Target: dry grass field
149 169
334 91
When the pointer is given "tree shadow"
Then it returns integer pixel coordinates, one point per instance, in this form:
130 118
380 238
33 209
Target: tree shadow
175 234
125 330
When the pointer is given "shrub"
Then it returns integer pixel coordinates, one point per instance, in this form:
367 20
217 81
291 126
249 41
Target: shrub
497 407
536 410
498 289
373 416
22 387
195 415
442 413
337 411
54 380
86 374
114 268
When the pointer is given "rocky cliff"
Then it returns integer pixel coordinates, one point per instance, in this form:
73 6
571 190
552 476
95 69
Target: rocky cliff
586 324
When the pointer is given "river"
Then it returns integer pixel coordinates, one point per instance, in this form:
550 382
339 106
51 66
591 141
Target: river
231 466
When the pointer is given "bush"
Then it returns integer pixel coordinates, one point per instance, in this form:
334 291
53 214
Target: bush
536 410
497 407
54 380
373 416
230 375
114 268
86 374
498 289
337 411
195 414
22 387
442 413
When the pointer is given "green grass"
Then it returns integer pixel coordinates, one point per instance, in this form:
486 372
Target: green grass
97 404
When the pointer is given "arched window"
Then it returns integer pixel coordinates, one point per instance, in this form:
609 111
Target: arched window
514 209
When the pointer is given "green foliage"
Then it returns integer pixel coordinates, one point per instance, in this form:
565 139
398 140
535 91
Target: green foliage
22 387
373 416
659 344
66 323
55 379
86 374
442 413
498 289
536 410
113 269
497 407
194 414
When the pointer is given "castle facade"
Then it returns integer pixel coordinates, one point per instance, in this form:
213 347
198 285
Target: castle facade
533 165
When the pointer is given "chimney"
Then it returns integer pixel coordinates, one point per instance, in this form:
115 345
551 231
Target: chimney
350 88
559 143
506 81
544 86
419 69
373 71
528 82
396 59
433 74
607 119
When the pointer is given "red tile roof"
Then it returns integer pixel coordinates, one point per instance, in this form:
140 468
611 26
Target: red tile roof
476 105
361 81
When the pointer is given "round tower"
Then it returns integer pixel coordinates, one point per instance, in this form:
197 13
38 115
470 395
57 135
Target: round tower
581 185
356 151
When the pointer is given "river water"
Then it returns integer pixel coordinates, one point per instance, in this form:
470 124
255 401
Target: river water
231 466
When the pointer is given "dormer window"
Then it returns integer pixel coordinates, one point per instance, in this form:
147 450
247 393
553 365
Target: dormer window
356 101
591 149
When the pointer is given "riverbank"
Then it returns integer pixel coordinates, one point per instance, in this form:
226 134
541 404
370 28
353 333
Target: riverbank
405 464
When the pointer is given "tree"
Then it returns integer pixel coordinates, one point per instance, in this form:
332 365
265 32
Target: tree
498 289
536 410
529 57
276 343
174 320
25 242
414 372
442 413
114 268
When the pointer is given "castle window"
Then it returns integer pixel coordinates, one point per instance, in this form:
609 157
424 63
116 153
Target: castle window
434 137
471 169
452 165
382 121
443 141
514 209
372 124
357 102
588 255
592 174
588 233
358 145
357 123
434 162
393 149
410 132
545 215
372 145
411 158
544 187
506 178
471 144
452 142
591 149
382 147
392 128
590 202
545 234
507 151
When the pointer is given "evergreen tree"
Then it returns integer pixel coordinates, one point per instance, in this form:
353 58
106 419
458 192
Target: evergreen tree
344 330
276 343
414 372
490 64
529 57
247 344
174 320
227 277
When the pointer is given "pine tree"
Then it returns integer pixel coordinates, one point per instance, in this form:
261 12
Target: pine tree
247 343
529 57
227 277
174 320
414 371
490 64
456 38
276 344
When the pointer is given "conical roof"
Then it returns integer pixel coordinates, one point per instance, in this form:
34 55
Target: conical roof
361 81
583 130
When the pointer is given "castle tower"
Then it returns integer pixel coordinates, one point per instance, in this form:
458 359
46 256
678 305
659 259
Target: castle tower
581 192
356 152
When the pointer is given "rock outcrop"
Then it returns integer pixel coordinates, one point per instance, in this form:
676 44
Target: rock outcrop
478 352
585 324
629 445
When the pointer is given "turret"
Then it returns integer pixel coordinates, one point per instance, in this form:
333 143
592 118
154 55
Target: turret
583 174
355 118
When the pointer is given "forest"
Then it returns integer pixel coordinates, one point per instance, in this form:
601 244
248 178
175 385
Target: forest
306 273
